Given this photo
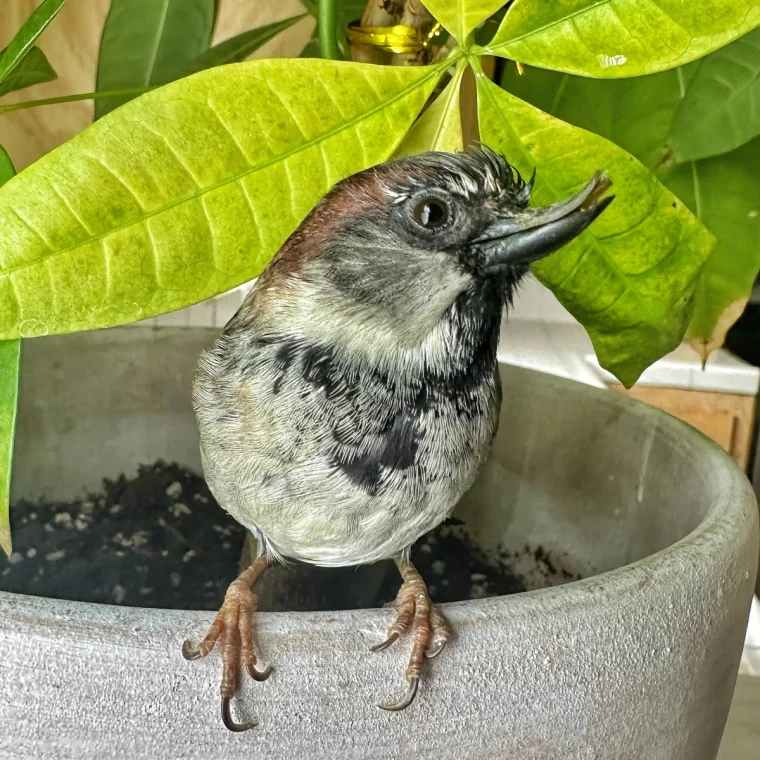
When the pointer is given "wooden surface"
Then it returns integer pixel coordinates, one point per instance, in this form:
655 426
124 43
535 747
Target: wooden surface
741 739
728 418
71 44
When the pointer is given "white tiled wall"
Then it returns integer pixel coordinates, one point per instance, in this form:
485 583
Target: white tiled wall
215 312
534 303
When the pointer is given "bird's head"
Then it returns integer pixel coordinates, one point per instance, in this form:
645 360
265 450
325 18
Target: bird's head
388 251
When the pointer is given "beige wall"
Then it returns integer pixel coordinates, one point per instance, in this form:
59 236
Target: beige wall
71 44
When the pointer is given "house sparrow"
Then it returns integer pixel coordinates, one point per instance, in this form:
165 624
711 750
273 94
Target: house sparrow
351 401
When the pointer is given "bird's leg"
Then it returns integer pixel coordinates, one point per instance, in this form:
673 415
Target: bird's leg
430 633
234 624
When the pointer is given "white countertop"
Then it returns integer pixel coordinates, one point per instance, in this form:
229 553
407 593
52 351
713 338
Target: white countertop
564 349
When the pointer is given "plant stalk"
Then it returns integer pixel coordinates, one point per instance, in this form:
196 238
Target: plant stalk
327 29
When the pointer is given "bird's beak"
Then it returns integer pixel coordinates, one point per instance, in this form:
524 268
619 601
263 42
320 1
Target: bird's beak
530 235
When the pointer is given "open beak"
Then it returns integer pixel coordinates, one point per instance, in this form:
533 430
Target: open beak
530 235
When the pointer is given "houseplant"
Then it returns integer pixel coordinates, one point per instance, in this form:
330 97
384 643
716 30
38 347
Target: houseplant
201 169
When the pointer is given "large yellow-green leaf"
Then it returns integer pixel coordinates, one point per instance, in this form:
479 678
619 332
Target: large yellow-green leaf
440 127
722 191
190 189
150 42
619 38
629 279
9 367
460 17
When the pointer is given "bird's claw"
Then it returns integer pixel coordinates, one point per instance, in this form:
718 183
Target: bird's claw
233 625
407 699
435 649
229 723
190 652
384 644
259 675
429 632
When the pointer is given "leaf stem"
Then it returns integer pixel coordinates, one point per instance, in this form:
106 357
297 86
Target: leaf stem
72 98
327 30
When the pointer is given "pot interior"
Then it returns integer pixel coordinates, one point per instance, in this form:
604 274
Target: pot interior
580 481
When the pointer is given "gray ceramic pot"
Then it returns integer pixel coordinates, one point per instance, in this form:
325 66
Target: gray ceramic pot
637 661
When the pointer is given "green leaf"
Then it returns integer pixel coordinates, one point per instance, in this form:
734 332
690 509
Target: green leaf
440 126
10 351
238 48
724 192
311 49
460 17
150 42
619 38
33 69
9 369
629 279
720 109
190 189
726 185
22 43
487 30
6 167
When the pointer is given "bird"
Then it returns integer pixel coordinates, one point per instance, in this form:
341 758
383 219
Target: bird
353 398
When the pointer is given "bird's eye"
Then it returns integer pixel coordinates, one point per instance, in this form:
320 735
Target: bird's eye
430 214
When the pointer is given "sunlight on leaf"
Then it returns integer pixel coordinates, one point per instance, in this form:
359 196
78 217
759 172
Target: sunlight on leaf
619 38
150 42
230 161
630 278
440 126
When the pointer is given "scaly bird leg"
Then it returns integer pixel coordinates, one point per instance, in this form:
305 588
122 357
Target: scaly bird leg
233 623
429 630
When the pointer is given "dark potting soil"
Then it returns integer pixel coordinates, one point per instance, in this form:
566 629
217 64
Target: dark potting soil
160 540
156 540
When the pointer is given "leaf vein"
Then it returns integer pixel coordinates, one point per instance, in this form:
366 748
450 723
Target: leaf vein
324 136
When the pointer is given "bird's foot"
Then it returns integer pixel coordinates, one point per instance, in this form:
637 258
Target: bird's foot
234 625
430 633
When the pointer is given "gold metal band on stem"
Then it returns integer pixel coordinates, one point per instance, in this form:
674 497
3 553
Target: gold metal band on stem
396 39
